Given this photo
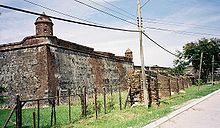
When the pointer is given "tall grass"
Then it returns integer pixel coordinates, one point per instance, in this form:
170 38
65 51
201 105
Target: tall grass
135 116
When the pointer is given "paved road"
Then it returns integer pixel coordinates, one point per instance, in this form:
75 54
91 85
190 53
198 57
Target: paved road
205 114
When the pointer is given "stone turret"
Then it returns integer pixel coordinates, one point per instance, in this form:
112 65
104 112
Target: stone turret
128 54
44 26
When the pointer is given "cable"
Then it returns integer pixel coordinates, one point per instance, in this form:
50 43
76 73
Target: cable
199 27
145 3
86 24
67 20
59 12
180 32
105 12
180 24
159 45
119 8
168 30
81 23
112 10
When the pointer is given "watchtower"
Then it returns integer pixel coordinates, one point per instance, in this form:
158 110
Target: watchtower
44 26
128 54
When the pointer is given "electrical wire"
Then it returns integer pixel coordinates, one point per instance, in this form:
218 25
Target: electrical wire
105 12
86 24
67 20
168 30
165 22
181 32
59 12
177 24
151 20
112 10
180 24
145 3
81 23
93 25
119 8
159 45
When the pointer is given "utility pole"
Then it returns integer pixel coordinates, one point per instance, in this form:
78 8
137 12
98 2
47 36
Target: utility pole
213 59
142 53
200 69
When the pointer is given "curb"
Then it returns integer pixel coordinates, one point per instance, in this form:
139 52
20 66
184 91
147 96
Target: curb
179 111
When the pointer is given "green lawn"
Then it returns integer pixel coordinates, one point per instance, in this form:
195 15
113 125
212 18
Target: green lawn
135 116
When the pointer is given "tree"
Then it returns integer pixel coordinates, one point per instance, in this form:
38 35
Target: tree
192 51
179 65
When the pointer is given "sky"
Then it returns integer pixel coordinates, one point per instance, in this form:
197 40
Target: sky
197 16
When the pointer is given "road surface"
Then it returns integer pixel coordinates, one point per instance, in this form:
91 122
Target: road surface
206 114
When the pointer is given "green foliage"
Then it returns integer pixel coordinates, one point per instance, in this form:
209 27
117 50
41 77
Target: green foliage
2 89
2 97
192 52
179 65
110 105
90 109
99 106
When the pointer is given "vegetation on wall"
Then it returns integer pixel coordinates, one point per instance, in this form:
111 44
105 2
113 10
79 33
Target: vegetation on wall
2 97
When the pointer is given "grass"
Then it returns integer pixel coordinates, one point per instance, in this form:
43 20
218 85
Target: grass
135 116
45 113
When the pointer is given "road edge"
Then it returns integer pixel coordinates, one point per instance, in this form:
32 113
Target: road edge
179 111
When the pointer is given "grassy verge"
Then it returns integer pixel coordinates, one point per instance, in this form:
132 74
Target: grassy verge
135 116
62 111
138 116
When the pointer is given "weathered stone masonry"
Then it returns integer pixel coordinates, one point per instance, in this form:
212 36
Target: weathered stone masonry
23 71
41 65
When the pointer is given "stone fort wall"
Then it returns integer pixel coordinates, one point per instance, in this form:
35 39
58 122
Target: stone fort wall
38 67
75 69
23 71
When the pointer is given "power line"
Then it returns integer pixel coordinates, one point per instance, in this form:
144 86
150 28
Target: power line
82 23
165 22
59 12
181 32
92 25
168 30
145 3
180 24
112 10
159 45
89 25
159 21
67 20
119 8
105 12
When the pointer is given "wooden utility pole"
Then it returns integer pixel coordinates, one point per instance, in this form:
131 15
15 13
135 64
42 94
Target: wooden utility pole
213 59
142 53
200 68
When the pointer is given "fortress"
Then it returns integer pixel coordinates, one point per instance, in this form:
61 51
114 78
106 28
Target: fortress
43 64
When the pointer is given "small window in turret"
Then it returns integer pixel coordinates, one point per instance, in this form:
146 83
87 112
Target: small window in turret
45 30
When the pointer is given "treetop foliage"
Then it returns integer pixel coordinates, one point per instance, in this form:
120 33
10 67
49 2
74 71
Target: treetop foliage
191 55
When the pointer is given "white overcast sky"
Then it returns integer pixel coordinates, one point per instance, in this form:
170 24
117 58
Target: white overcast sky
14 26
